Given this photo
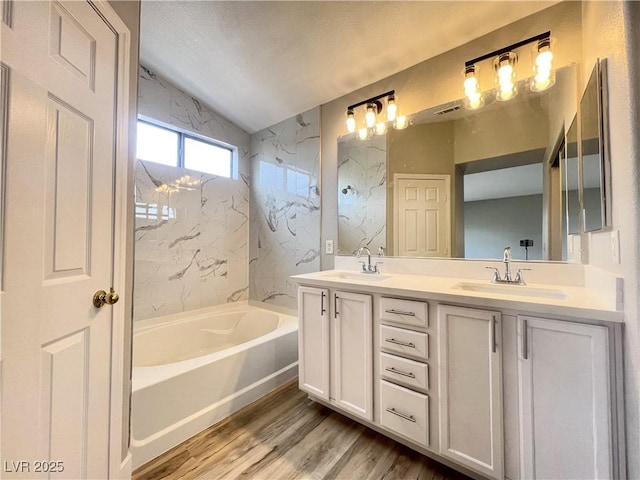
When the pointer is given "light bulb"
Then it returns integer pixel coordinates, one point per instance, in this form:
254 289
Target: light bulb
401 122
370 116
472 93
543 73
351 122
392 109
506 76
363 133
381 128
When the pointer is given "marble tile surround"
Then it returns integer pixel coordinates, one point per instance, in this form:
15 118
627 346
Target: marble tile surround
285 207
192 228
362 211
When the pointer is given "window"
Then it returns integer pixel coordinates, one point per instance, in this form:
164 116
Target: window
157 144
171 147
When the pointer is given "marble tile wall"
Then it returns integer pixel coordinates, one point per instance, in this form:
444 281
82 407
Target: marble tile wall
362 210
285 207
192 228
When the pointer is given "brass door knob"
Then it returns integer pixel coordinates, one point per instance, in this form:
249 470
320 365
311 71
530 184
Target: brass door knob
100 298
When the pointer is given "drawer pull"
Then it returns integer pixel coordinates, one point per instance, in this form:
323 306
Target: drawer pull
400 312
401 415
399 372
400 342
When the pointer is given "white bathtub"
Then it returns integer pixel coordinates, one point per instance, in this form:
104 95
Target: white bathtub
192 369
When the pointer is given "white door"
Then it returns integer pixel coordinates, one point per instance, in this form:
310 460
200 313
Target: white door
60 62
565 400
353 365
470 377
422 215
313 341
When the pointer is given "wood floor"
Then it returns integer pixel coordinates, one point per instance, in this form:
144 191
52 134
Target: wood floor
284 435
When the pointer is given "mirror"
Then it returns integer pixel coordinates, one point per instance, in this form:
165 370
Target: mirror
595 159
461 183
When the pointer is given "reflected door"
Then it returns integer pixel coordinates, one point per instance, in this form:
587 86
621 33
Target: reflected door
422 215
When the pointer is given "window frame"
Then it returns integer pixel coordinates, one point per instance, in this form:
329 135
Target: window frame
182 134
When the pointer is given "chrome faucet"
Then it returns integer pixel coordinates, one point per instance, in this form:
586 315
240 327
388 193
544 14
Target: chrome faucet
367 268
506 259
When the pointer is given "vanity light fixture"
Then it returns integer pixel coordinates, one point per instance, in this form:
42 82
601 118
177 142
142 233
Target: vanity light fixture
504 64
373 107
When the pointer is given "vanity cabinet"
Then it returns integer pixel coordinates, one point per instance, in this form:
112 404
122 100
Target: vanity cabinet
313 341
353 363
335 348
404 369
495 393
565 396
470 397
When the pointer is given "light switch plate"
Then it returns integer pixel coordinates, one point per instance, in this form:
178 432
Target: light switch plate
615 246
328 247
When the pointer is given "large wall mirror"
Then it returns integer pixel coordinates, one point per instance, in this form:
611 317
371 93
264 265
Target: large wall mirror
596 165
491 178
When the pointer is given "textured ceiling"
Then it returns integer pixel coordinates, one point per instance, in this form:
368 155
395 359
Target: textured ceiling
258 63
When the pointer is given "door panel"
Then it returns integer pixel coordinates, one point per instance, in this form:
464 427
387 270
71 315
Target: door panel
470 388
60 164
354 353
422 215
564 365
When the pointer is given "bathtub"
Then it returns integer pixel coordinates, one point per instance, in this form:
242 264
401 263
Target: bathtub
192 369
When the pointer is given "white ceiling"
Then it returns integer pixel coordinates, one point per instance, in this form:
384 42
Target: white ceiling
258 63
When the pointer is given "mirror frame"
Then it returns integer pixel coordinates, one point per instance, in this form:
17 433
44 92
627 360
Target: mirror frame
599 75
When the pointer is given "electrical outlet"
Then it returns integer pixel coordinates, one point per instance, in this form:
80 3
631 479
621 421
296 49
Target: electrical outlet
615 247
328 247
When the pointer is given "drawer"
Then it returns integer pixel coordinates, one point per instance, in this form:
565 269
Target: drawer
404 342
404 312
404 412
407 372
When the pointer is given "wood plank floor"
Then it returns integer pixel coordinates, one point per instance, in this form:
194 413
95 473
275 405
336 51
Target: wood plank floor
284 435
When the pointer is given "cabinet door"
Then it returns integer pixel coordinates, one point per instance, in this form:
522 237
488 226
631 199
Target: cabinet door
565 400
353 362
470 383
313 341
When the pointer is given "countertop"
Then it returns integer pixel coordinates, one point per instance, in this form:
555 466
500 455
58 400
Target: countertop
570 301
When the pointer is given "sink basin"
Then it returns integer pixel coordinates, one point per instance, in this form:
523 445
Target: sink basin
360 277
516 290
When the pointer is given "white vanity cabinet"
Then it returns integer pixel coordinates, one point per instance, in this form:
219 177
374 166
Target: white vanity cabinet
352 340
565 397
313 341
476 383
470 397
335 348
404 369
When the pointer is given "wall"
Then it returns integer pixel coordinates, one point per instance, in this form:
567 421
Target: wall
192 228
491 225
611 32
285 207
361 217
